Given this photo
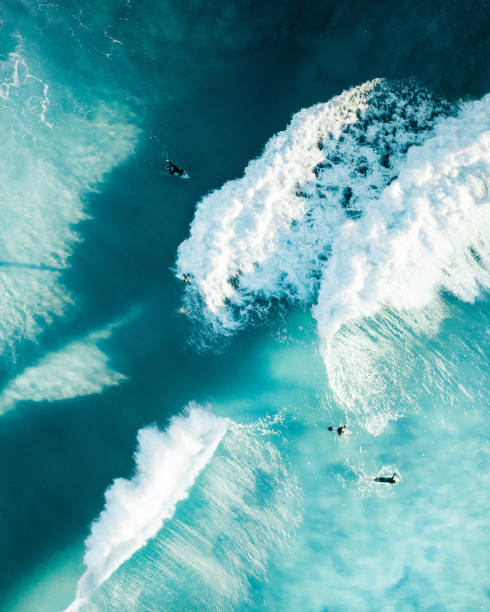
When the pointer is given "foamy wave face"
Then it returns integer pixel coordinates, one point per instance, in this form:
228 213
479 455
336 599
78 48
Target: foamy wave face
428 232
268 236
167 464
245 508
49 160
80 368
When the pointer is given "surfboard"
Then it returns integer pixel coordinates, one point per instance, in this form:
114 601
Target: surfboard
183 176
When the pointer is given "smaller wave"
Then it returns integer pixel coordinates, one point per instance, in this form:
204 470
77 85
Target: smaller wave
243 511
79 368
167 464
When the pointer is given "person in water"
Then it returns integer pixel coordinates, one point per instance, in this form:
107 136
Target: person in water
340 430
389 479
173 169
186 278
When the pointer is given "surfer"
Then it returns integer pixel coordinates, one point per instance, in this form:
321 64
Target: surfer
389 479
173 169
341 430
186 278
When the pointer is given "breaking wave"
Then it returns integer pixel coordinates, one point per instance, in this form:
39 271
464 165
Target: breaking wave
167 464
268 236
368 209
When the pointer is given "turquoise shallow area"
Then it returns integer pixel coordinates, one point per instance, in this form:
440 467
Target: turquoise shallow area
207 84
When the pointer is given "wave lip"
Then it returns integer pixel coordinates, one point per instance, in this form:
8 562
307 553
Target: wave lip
167 464
427 232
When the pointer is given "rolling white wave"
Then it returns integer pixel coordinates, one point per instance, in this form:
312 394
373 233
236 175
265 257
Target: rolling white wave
167 464
54 151
79 368
367 208
429 230
428 233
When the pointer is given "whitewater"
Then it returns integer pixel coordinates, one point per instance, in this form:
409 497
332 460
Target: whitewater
375 202
54 154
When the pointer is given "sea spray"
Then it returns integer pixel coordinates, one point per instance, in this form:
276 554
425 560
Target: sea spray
167 464
428 233
268 236
369 209
243 510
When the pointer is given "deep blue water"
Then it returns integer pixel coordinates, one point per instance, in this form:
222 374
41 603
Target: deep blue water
279 514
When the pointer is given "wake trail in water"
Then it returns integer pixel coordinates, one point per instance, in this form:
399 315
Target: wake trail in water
167 465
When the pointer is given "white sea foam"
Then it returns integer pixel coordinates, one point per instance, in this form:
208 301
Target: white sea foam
245 508
49 159
79 368
167 464
428 232
268 235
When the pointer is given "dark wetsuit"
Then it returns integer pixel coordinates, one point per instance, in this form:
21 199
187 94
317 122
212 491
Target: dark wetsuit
173 169
389 479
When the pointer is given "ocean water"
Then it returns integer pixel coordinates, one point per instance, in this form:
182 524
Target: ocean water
165 446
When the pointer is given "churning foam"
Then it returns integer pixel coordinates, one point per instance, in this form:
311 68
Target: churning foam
243 510
428 231
268 236
370 205
79 368
51 156
167 464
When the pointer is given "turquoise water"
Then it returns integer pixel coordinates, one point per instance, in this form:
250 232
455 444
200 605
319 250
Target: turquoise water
342 278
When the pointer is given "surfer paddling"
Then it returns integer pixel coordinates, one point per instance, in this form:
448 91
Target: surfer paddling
173 169
388 479
341 430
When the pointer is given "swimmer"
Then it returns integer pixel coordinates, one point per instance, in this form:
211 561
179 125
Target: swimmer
173 169
341 430
388 479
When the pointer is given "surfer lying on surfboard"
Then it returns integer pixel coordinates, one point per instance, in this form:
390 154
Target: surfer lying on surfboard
173 169
389 479
341 430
